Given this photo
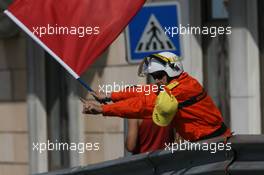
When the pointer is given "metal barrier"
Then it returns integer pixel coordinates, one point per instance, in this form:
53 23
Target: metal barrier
245 157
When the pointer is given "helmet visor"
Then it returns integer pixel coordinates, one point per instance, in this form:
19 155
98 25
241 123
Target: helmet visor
146 63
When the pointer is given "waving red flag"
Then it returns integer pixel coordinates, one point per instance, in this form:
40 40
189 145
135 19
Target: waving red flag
74 32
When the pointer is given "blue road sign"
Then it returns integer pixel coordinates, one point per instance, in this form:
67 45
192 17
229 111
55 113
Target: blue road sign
145 34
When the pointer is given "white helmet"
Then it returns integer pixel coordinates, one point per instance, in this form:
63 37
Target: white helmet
164 61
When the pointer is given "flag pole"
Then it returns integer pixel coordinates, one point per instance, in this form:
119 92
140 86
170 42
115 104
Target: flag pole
85 85
90 90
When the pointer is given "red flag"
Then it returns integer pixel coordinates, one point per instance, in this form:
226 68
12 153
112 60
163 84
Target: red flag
74 32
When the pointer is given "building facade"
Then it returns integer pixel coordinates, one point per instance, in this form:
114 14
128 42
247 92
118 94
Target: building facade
39 100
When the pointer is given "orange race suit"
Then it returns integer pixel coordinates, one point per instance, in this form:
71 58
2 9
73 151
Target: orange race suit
193 122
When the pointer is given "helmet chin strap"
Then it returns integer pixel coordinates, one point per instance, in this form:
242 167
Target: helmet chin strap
170 79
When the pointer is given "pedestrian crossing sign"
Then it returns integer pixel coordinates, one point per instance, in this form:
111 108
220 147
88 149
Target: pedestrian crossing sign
146 33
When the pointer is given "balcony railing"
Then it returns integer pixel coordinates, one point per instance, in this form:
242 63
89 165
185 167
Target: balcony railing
245 158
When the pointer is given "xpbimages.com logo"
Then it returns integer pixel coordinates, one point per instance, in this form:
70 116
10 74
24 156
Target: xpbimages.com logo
79 31
80 147
122 87
212 31
191 146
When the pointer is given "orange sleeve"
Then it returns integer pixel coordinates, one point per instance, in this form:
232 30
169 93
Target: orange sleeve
117 96
135 107
132 91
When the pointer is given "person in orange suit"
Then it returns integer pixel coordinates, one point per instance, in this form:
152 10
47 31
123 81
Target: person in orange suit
181 102
143 134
